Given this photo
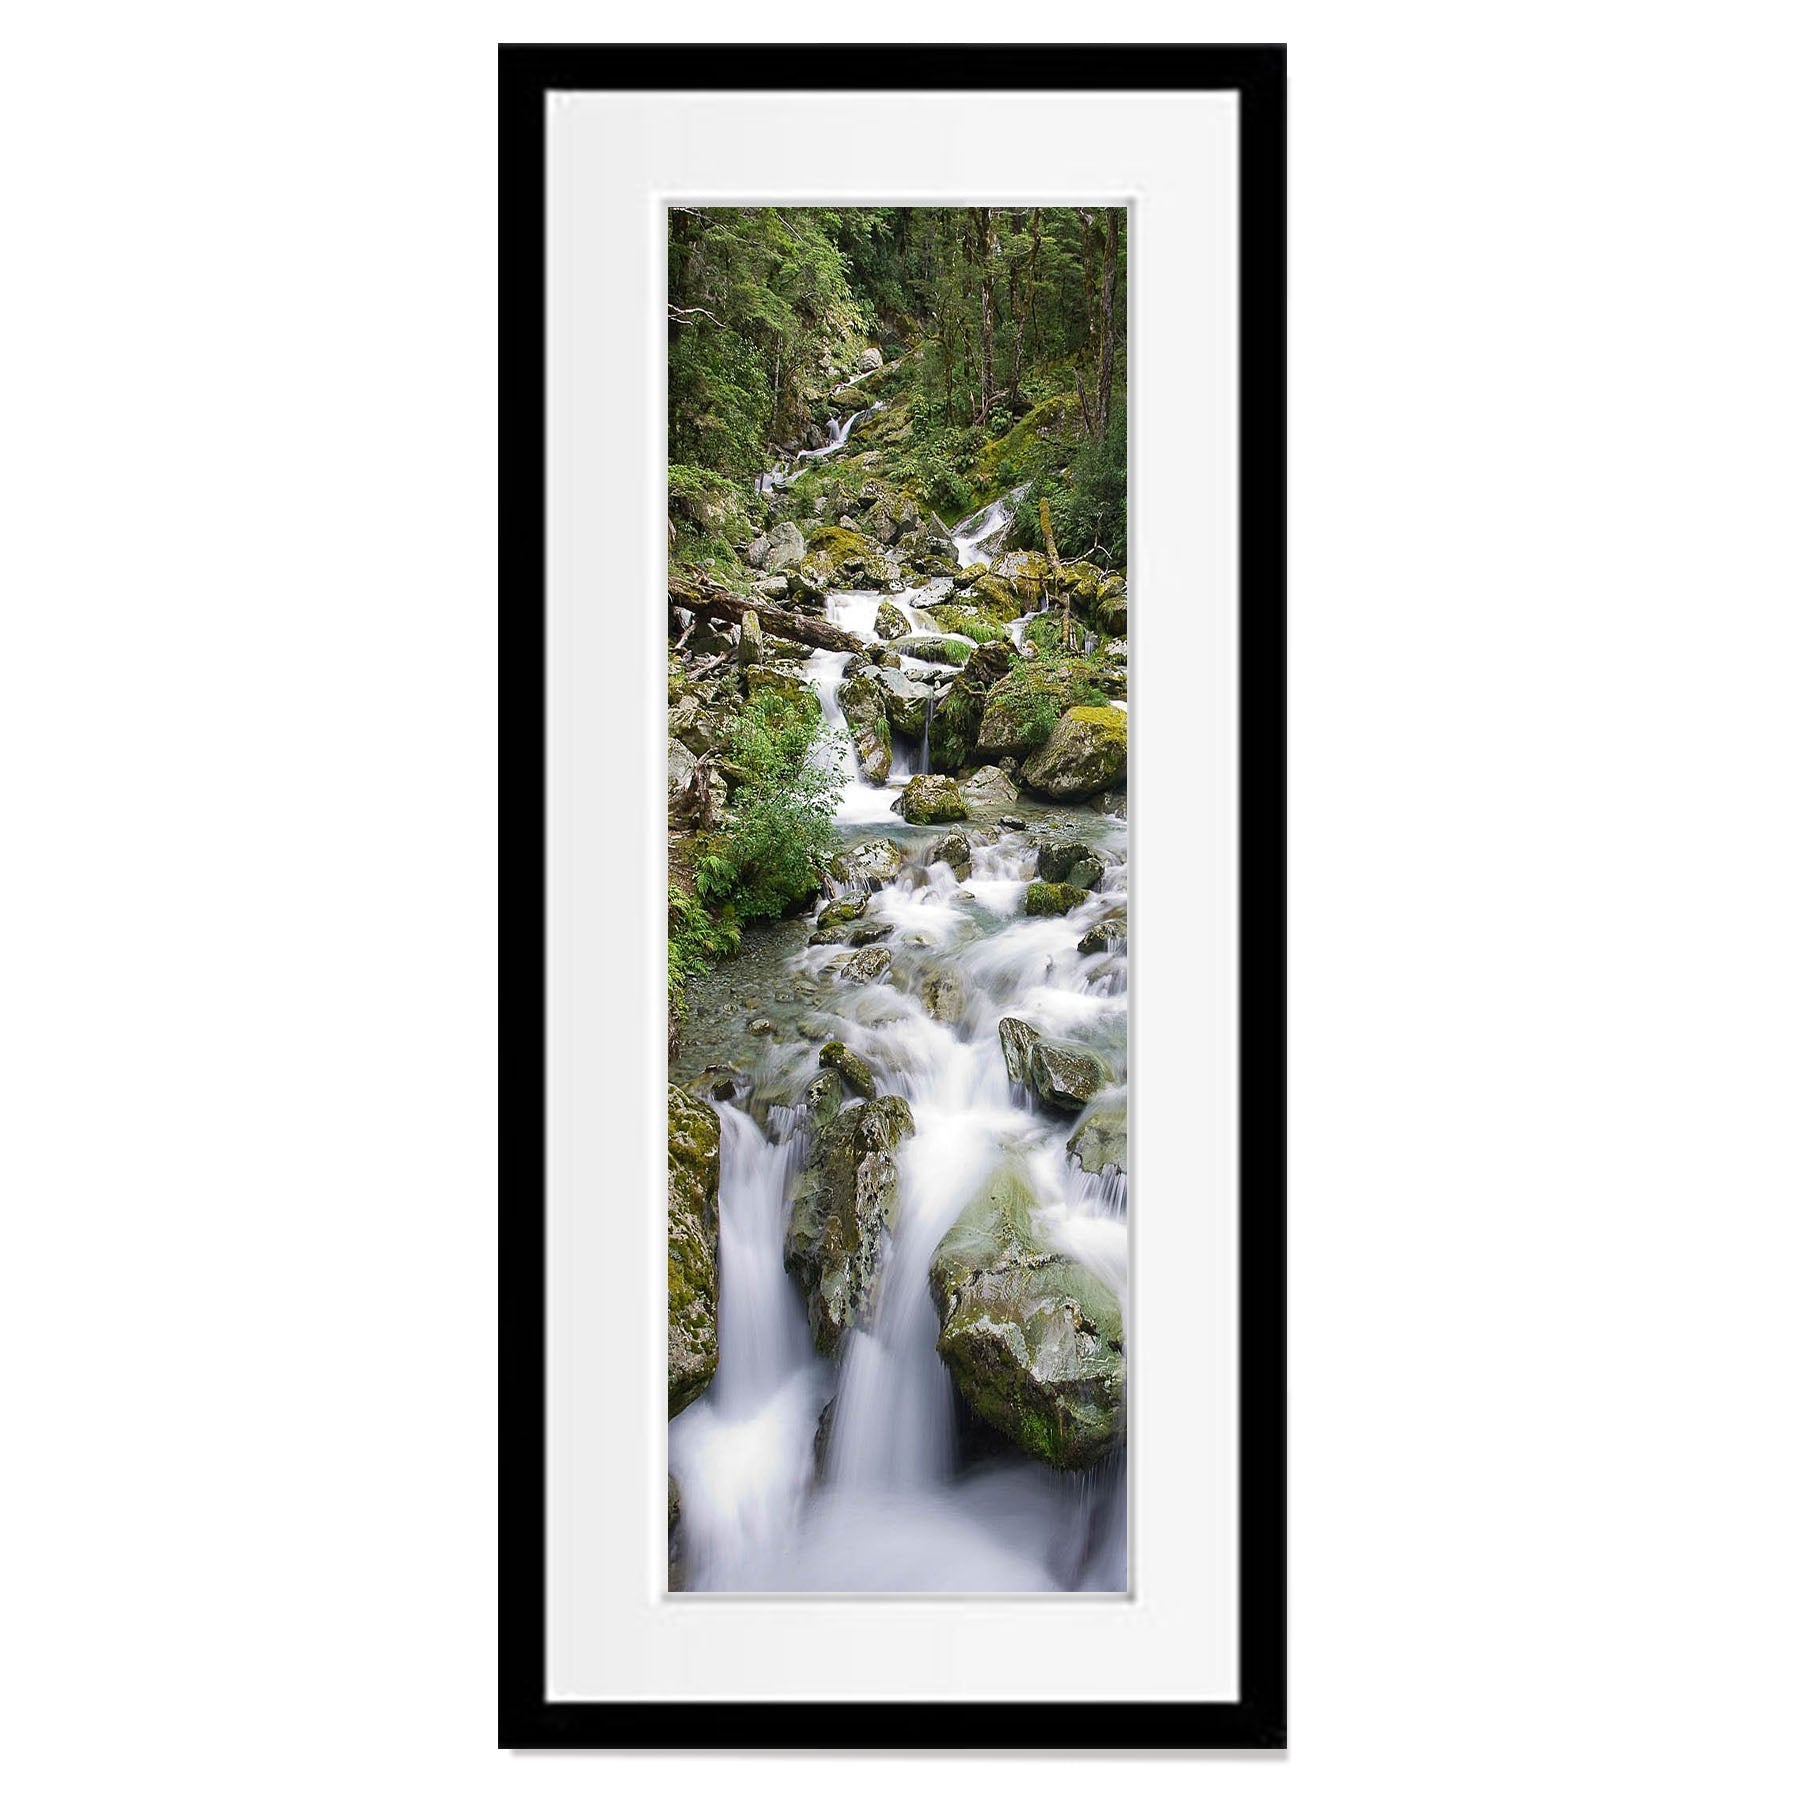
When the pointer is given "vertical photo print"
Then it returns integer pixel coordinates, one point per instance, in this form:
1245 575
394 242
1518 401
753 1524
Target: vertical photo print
898 897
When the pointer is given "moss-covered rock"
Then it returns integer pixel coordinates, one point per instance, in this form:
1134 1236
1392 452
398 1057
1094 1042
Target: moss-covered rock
857 933
949 651
954 850
822 1099
1085 753
956 725
866 966
1025 703
1051 899
750 639
868 865
864 700
1069 861
1034 1340
890 621
1109 934
772 678
1064 1075
983 624
931 800
992 595
1016 1039
1109 613
693 1230
906 702
837 557
843 1207
859 1078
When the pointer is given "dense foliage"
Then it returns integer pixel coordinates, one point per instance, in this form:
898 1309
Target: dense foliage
780 833
1009 322
776 836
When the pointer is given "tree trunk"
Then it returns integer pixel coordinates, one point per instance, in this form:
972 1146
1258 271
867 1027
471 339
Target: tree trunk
1090 309
1056 574
984 244
1108 335
1020 315
718 603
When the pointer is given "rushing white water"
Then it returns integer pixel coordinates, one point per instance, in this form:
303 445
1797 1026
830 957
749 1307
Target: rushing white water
772 480
799 1472
981 534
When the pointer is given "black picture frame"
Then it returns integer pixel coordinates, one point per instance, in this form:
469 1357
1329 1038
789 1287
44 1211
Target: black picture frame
1257 1719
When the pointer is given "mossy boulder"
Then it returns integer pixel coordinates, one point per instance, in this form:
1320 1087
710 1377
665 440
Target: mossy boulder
859 1078
1016 1039
1051 899
1098 1142
1069 861
931 800
864 700
905 701
1034 1340
956 725
750 639
1109 934
771 678
857 933
992 595
1085 753
890 621
822 1099
866 966
955 851
1024 705
693 1247
951 652
837 557
868 865
980 623
1063 1075
843 1208
842 912
1109 613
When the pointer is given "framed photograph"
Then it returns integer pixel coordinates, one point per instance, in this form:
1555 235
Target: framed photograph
892 603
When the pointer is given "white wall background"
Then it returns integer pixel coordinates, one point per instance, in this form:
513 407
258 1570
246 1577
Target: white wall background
1544 949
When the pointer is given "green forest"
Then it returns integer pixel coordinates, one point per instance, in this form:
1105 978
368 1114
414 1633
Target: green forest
1004 359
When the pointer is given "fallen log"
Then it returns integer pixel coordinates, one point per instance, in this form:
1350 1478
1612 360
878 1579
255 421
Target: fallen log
720 603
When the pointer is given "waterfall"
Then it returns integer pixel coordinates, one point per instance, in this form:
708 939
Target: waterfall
982 532
772 480
862 1472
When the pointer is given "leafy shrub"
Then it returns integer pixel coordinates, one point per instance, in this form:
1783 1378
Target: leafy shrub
1087 502
780 830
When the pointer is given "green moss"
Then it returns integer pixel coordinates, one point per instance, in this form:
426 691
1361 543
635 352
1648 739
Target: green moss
858 1077
1039 442
1052 899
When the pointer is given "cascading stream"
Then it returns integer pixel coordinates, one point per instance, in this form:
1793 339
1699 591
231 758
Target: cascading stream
880 1490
